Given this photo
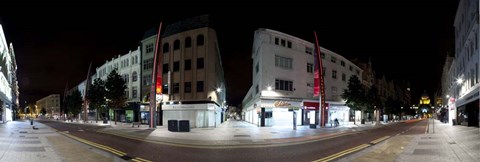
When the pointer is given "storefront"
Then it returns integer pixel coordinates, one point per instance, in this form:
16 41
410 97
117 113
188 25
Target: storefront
275 113
339 111
200 114
467 113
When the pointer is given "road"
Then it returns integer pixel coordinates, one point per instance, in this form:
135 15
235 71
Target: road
297 152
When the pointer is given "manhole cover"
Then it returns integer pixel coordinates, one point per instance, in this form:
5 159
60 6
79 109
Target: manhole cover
23 131
452 143
241 135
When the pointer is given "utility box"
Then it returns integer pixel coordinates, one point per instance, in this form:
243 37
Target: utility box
173 125
184 125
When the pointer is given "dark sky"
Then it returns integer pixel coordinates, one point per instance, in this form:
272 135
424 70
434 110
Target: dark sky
55 41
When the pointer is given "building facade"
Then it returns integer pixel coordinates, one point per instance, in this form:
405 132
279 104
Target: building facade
7 79
192 72
147 48
464 90
51 104
282 91
127 66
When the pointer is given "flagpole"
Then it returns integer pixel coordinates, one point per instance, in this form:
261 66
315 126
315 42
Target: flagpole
155 70
321 97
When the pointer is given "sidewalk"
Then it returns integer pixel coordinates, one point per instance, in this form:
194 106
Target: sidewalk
233 133
441 142
444 143
20 142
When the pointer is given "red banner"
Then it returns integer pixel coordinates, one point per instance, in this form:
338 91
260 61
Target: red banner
320 80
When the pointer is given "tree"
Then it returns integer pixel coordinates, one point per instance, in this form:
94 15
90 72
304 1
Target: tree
96 96
373 101
43 111
74 103
115 93
354 95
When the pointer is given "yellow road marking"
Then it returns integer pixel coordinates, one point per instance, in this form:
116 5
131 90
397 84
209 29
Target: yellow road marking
142 160
100 146
135 160
342 153
379 140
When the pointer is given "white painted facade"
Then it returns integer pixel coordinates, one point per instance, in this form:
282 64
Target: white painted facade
5 79
278 57
464 72
128 66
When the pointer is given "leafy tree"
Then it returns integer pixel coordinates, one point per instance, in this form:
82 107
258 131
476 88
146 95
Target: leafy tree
96 96
373 101
115 93
74 103
355 95
43 111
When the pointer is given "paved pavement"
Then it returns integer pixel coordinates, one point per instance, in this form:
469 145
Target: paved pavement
440 142
20 142
230 133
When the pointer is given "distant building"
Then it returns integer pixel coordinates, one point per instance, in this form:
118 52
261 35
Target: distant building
193 77
283 81
51 104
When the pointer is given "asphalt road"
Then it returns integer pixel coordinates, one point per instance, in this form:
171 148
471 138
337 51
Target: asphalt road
296 152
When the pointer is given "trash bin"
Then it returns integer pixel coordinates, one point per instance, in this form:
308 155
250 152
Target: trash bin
31 121
184 125
363 121
105 121
454 121
173 125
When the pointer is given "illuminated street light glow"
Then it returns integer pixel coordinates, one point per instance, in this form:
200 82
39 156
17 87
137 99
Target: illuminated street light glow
448 96
459 81
269 88
219 90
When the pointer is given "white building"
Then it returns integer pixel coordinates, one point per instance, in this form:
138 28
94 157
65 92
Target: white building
51 104
128 66
283 81
6 79
464 83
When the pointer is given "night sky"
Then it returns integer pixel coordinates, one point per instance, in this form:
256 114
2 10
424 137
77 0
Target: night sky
55 41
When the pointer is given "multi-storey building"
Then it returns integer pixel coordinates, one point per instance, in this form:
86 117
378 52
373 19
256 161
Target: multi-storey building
128 66
7 79
15 88
283 82
193 78
51 104
465 92
147 48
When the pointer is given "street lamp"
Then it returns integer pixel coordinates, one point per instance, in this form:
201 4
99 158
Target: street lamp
269 88
219 90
